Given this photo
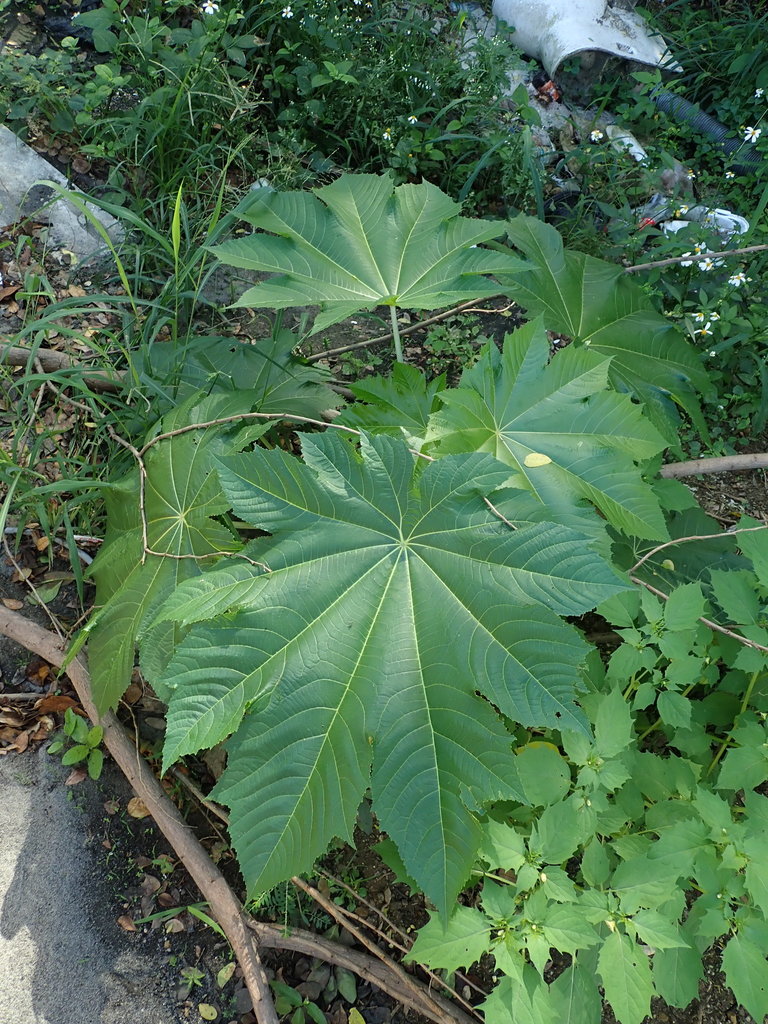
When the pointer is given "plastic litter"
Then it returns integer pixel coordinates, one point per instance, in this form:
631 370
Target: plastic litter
725 223
554 30
673 216
621 139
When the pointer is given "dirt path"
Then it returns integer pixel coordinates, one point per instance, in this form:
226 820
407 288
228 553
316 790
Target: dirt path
63 958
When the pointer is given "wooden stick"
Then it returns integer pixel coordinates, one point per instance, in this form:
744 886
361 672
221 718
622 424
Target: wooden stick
717 464
51 361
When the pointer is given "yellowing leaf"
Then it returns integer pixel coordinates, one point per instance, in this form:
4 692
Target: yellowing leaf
207 1012
536 459
225 974
355 1017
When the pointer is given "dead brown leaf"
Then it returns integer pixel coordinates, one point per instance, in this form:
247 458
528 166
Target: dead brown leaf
126 923
75 777
150 884
8 716
56 702
174 926
112 806
137 808
12 603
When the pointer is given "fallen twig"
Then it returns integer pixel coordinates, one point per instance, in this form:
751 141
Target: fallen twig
693 258
51 361
717 464
464 307
243 933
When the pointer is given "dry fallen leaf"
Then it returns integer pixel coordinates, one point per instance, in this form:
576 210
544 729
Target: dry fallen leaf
112 806
137 808
207 1012
149 884
56 702
12 603
174 925
126 923
75 777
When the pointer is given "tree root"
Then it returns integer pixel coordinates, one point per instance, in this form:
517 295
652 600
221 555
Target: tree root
719 464
243 933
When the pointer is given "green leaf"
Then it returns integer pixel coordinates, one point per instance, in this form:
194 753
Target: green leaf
736 595
556 833
400 403
613 724
360 243
676 974
390 854
345 980
502 846
575 996
567 930
458 941
674 709
744 768
657 931
595 866
94 736
557 424
95 763
746 972
685 605
75 754
641 882
597 304
181 496
515 1003
626 977
755 546
362 553
543 774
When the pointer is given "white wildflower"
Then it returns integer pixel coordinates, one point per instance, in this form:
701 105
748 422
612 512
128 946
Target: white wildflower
705 331
707 264
738 279
386 135
752 134
287 12
759 93
729 175
209 7
596 135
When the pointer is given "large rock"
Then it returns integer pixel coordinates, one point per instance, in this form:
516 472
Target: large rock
22 195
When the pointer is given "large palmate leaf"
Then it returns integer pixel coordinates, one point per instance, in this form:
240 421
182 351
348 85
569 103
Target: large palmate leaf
181 496
360 243
393 597
597 304
400 404
559 425
278 379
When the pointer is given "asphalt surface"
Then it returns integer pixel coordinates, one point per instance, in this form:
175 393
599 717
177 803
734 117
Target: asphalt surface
63 958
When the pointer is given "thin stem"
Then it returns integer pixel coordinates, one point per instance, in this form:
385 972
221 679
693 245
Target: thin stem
744 704
396 334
